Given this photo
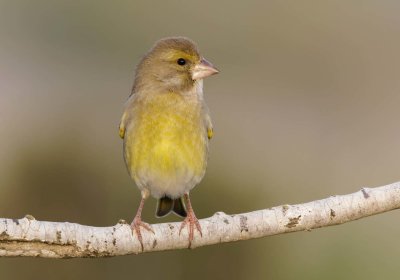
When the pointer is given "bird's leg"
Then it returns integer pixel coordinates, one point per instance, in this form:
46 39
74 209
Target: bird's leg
137 221
191 220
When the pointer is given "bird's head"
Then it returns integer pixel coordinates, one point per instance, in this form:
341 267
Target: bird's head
173 64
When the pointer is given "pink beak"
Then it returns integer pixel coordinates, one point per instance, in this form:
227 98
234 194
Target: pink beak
203 70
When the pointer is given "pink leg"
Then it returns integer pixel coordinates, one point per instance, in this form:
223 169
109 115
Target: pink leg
191 220
137 221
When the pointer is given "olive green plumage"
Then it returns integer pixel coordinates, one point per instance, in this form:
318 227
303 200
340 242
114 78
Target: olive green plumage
166 124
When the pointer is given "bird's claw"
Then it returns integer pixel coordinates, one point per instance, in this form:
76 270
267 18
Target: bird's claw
192 222
135 226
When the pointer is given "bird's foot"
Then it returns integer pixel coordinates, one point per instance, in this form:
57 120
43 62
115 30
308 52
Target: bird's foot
135 226
192 222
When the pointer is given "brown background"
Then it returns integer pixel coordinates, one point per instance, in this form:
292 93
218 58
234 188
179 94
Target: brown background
306 106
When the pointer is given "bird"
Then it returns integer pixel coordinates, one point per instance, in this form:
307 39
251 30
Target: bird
166 128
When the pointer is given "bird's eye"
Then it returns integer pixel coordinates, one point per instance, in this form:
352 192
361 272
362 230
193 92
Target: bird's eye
181 61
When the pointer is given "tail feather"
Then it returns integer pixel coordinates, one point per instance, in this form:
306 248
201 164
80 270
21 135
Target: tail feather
179 207
165 205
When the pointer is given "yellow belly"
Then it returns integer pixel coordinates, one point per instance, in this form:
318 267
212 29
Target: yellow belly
166 146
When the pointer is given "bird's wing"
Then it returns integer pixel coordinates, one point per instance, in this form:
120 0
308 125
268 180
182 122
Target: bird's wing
210 130
122 126
126 115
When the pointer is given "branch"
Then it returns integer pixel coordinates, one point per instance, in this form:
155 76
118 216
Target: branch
29 237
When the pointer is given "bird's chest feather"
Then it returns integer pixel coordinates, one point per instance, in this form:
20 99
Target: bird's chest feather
168 138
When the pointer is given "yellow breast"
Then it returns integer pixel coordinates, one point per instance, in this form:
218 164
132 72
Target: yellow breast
166 144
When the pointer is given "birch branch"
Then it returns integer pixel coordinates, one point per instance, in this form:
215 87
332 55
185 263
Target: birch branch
29 237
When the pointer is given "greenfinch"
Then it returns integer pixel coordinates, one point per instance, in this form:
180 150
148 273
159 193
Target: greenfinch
166 128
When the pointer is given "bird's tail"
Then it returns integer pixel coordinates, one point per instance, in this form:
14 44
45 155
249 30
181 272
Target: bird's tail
165 205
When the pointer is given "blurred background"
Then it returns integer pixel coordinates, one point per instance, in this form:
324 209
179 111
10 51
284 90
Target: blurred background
306 106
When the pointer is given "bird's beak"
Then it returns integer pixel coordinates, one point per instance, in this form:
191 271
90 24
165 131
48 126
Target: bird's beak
203 69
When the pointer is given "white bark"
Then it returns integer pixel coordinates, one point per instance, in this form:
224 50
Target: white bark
29 237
